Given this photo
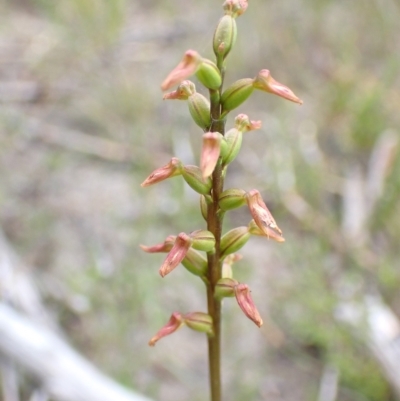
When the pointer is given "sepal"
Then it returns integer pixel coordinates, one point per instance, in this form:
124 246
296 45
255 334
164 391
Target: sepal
233 139
195 263
225 288
208 74
233 240
232 199
194 178
199 321
236 94
224 36
204 206
227 264
199 108
203 240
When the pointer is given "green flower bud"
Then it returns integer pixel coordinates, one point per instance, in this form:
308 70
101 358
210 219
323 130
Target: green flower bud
233 140
209 75
195 262
232 199
204 207
199 321
199 108
224 36
203 240
233 240
194 178
236 94
225 288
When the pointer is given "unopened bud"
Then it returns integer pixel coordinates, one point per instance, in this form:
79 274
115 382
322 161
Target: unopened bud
176 254
195 263
225 288
224 36
174 323
199 321
204 206
266 83
171 169
203 240
233 139
199 108
246 304
209 75
194 178
236 94
232 199
233 240
260 213
227 264
210 153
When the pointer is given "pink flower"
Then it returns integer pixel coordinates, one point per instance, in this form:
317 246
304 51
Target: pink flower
243 297
176 254
210 153
166 246
268 232
261 215
174 323
243 123
187 67
265 82
162 173
182 92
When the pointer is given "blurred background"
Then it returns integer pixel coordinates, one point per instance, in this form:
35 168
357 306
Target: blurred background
82 124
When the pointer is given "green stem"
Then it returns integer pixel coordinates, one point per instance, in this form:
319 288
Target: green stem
214 224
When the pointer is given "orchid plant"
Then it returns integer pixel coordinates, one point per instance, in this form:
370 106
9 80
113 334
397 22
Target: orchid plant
208 252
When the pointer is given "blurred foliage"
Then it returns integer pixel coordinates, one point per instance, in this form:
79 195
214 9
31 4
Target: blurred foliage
83 124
